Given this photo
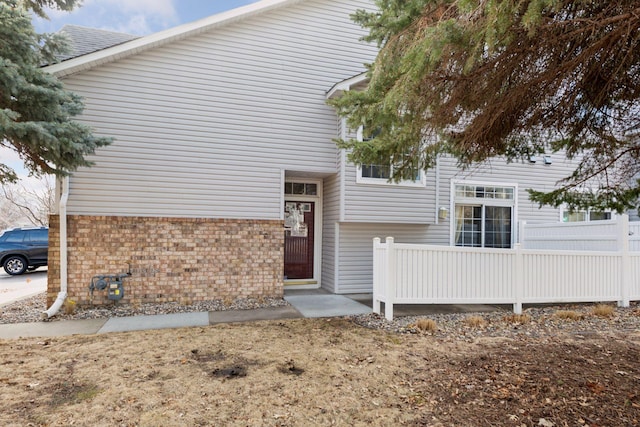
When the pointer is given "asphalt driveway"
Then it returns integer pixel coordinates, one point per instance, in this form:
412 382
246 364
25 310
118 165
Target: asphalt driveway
15 288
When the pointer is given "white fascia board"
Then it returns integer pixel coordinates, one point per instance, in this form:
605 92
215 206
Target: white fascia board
161 38
340 87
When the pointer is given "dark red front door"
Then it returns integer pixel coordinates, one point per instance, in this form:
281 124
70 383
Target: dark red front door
298 240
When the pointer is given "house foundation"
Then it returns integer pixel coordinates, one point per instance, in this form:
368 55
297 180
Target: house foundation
182 260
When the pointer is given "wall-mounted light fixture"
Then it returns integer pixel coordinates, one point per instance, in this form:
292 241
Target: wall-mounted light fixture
443 213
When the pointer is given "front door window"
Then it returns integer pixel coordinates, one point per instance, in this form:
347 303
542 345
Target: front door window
298 240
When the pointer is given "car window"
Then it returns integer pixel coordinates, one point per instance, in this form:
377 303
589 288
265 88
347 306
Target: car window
14 238
39 235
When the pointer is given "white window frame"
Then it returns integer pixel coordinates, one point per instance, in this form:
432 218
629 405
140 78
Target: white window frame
564 208
420 182
473 201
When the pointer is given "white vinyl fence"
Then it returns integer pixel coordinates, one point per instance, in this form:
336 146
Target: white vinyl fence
431 274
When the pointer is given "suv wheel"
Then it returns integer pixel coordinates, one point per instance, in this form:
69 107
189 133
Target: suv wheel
15 265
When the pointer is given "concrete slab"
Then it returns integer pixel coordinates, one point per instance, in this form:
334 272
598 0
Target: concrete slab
159 321
427 309
273 313
326 305
51 329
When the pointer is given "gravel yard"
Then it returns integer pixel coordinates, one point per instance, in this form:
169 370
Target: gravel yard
29 310
536 322
575 365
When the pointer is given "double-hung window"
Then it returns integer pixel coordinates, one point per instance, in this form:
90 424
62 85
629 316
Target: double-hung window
484 215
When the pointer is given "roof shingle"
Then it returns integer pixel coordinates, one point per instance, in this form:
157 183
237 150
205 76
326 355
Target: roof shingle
84 40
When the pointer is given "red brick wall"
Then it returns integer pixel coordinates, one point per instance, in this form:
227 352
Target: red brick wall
181 260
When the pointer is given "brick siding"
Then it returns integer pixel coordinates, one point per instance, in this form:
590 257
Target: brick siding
182 260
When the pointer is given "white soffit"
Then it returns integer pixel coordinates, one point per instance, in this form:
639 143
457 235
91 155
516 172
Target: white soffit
348 84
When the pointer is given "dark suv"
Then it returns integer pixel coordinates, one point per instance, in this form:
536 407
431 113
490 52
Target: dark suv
23 249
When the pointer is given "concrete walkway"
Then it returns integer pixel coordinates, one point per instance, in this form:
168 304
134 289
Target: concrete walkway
302 305
330 305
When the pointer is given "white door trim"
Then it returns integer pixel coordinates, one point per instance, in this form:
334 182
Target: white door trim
317 231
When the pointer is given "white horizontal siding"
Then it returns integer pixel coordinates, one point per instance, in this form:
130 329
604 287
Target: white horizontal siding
401 204
386 203
205 126
356 251
526 175
330 211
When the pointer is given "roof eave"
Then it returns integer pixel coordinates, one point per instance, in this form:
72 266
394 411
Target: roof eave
339 88
86 62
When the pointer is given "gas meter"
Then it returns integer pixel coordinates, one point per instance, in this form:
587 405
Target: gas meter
111 282
116 290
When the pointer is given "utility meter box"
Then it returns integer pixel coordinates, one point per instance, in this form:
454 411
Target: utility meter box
115 290
113 283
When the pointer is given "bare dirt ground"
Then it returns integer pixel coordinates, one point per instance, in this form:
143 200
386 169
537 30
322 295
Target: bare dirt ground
321 372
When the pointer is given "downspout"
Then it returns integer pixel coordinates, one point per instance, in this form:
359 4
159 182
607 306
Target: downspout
62 214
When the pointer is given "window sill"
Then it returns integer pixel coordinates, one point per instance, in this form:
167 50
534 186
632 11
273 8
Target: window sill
383 182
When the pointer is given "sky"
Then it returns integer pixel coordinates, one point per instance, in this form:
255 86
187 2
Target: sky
139 17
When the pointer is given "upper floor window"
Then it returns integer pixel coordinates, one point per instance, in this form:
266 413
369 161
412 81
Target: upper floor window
375 171
381 174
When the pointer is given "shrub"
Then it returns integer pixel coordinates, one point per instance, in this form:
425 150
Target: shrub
603 310
425 325
519 319
568 315
69 306
475 321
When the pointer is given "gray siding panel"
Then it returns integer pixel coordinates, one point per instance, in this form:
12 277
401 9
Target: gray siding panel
386 203
526 175
402 204
204 126
330 211
356 251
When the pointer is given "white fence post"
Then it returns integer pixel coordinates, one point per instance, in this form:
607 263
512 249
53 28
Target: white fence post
390 280
521 230
376 276
623 247
519 280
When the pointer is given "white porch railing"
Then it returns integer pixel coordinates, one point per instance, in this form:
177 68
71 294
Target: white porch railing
431 274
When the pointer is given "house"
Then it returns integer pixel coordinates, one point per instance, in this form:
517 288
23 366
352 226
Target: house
224 181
